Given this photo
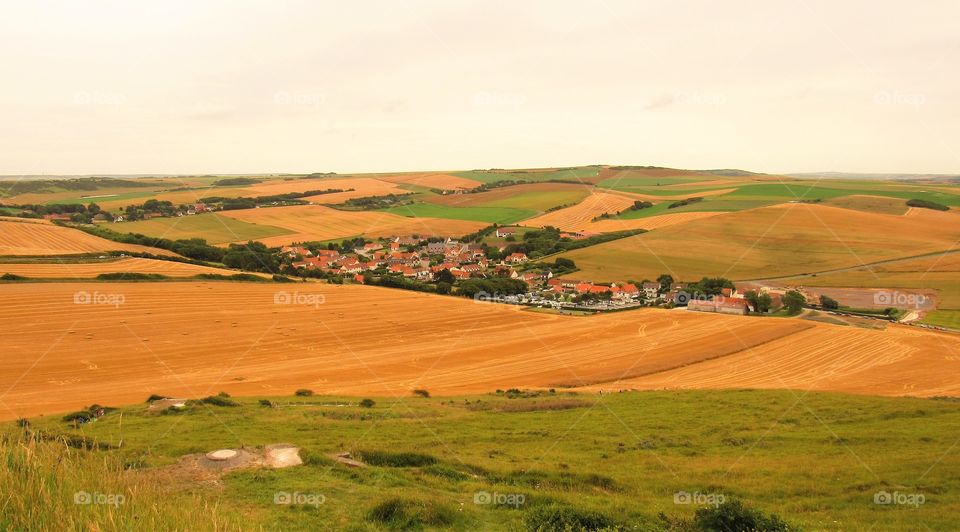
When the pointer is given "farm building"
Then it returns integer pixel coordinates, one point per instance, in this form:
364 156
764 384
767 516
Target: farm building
720 305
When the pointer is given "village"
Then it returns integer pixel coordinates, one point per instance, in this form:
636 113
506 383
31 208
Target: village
447 261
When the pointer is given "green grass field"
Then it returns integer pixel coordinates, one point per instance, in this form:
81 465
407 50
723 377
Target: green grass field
499 215
817 460
214 228
106 195
944 318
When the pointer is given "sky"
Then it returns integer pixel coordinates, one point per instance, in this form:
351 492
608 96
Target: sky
182 87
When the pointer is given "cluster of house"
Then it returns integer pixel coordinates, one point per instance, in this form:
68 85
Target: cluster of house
731 301
411 257
617 291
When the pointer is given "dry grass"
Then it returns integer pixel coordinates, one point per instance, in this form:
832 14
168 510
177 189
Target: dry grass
47 485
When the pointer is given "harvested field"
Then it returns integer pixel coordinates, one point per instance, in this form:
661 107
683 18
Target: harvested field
362 187
441 181
877 204
897 361
86 270
787 239
581 215
319 223
532 196
653 222
31 238
194 339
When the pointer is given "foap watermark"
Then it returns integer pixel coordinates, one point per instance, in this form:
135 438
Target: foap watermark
499 499
98 98
288 498
98 298
899 98
487 297
296 298
496 99
899 299
905 499
698 98
308 99
110 499
699 499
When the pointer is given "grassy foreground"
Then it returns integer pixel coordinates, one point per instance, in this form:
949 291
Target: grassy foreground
506 461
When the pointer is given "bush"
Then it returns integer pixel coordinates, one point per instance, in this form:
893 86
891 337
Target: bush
303 392
421 393
367 403
155 397
12 277
556 517
388 459
266 403
734 517
218 400
404 514
924 204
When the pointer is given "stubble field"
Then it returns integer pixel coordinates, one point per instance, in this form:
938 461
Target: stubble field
194 339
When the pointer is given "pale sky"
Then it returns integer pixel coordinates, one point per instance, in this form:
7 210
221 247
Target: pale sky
143 86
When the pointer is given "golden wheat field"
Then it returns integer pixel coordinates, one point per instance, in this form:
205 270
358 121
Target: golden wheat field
580 216
82 270
37 238
124 341
779 240
440 181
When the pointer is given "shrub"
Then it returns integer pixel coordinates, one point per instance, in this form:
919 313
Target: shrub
405 514
131 276
733 516
219 400
82 416
924 204
11 277
367 403
266 403
303 392
421 393
556 517
154 397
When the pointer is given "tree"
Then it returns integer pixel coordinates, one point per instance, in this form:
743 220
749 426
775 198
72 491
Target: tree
665 281
829 303
764 301
565 264
793 301
446 277
752 298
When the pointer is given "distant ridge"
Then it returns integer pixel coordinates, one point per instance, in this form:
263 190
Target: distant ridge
853 175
